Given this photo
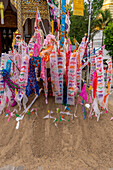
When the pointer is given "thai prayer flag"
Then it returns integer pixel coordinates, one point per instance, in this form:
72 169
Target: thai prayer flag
38 19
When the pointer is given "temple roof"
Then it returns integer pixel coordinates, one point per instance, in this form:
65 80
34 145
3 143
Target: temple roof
29 8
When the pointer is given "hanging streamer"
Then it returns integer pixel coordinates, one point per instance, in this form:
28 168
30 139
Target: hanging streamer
54 72
23 78
53 10
93 68
109 74
11 85
63 23
44 77
2 91
94 84
79 71
68 54
59 98
4 59
37 46
109 81
32 85
100 77
78 8
71 80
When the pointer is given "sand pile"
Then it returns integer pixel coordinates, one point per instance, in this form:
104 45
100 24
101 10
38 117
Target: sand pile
39 145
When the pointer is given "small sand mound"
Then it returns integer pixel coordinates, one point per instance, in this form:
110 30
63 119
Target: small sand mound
39 145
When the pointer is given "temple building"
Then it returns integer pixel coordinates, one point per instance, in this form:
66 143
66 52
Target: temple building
21 14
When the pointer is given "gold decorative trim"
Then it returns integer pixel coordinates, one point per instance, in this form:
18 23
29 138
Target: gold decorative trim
14 2
29 8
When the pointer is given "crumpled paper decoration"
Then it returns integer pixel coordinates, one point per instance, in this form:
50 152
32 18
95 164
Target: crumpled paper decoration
83 108
96 109
49 115
18 119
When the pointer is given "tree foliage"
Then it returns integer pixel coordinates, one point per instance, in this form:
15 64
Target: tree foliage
104 18
108 41
79 24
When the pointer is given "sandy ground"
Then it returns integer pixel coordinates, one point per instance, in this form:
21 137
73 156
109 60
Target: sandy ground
75 145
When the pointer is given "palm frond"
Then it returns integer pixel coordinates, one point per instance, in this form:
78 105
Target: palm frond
103 19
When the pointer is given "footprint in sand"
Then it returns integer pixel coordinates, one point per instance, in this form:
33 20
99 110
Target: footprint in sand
67 140
71 141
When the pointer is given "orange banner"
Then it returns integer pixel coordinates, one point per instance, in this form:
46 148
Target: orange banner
78 7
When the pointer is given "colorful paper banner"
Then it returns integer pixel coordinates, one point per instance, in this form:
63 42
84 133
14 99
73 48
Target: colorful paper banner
100 77
93 68
71 80
54 73
59 98
78 7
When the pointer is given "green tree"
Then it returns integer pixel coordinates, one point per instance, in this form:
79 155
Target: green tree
79 24
104 18
108 40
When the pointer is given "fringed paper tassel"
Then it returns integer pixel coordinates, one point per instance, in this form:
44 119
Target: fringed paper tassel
96 109
83 108
75 111
7 110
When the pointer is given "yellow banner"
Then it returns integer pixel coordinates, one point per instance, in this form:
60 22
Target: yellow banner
78 7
